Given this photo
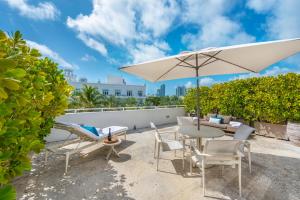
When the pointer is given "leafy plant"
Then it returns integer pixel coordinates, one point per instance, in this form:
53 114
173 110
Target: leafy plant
32 93
267 99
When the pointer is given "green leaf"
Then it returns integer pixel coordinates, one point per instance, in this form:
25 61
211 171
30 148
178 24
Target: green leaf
2 36
10 83
3 94
6 63
7 192
36 146
16 73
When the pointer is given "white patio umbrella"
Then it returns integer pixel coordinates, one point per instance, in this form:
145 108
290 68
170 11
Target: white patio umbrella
246 58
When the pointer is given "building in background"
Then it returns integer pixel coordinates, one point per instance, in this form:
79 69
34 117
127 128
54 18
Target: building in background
161 92
115 86
180 91
69 75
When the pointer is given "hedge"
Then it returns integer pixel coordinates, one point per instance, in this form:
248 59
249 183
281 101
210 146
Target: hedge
266 99
32 92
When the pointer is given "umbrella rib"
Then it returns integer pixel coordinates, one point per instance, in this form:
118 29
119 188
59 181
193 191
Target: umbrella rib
172 68
213 56
229 62
186 66
185 62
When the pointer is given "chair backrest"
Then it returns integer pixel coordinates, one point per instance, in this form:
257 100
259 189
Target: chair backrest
157 135
221 147
243 132
77 130
185 121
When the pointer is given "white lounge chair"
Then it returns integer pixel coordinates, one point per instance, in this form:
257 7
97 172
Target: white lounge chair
218 152
165 144
86 139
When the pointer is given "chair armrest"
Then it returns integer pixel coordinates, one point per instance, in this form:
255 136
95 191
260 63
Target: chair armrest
239 153
167 132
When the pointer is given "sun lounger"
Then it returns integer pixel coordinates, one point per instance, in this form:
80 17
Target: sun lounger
86 139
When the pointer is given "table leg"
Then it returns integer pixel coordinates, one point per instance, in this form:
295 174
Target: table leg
114 150
109 153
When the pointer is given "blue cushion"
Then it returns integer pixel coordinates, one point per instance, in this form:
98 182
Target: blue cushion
215 120
221 119
92 129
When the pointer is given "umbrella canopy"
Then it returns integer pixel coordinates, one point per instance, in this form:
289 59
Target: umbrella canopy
244 58
236 59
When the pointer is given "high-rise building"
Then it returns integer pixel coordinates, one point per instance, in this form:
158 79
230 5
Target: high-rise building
162 90
180 91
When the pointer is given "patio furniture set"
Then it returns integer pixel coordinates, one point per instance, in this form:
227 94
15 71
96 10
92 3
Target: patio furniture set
214 152
86 142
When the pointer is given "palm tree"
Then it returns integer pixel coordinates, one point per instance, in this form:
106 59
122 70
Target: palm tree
90 97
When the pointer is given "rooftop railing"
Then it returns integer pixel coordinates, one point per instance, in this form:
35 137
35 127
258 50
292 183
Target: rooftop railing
78 110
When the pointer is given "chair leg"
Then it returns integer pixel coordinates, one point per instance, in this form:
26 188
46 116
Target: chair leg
157 158
240 177
249 160
191 161
154 148
191 168
67 162
175 138
203 177
183 159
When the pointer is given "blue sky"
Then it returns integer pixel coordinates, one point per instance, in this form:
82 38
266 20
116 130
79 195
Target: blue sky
95 38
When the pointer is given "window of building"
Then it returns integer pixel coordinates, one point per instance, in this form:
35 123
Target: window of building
140 93
105 92
129 93
117 92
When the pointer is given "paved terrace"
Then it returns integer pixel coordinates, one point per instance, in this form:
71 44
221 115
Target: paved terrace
276 174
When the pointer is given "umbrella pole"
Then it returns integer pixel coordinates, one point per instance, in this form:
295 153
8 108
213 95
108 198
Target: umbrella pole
197 100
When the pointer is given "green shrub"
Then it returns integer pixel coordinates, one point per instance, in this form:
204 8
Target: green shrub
32 92
267 99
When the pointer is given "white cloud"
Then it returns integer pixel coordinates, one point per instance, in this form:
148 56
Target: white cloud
274 71
206 81
47 52
158 16
88 57
282 17
42 11
282 20
112 20
261 6
143 52
128 24
94 44
189 84
215 28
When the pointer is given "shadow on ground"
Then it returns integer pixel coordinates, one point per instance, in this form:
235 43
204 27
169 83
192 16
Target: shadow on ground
272 177
90 177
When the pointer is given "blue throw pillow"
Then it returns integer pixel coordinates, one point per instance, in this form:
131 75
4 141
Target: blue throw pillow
92 129
221 119
214 120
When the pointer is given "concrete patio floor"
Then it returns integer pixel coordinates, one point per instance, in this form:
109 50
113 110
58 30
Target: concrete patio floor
276 174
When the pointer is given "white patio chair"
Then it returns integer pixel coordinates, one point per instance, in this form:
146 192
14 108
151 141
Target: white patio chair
242 134
217 152
85 139
184 121
165 144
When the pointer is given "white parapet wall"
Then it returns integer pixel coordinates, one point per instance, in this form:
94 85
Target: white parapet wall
130 118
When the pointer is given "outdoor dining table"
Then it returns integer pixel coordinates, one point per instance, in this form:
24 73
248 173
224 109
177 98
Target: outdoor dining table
191 132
